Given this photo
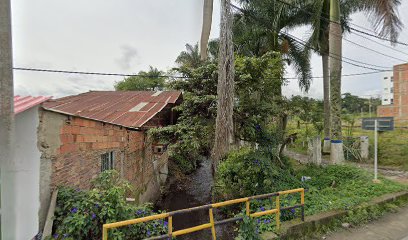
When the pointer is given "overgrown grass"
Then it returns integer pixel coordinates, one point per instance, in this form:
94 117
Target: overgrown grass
334 187
392 145
341 187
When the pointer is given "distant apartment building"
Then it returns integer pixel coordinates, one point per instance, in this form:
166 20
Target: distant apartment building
387 96
397 96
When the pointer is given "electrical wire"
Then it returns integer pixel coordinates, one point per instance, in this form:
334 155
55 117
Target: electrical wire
332 55
161 76
360 31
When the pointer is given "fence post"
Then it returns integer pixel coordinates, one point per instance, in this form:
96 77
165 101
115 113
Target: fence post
364 144
248 211
278 213
302 201
104 233
315 150
214 236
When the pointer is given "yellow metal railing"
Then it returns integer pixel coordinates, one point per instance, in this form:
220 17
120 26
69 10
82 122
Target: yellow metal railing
212 223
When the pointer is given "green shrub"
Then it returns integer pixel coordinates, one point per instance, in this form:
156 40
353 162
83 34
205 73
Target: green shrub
248 230
81 214
248 172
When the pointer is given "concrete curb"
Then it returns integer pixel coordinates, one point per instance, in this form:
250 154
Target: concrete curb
297 229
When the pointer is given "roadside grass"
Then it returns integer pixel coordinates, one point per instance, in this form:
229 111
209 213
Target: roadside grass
333 187
392 145
341 187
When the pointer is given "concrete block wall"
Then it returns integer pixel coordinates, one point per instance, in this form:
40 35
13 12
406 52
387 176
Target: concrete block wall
71 155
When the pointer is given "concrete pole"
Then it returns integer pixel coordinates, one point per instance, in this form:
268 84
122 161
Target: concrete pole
375 149
7 164
364 146
369 106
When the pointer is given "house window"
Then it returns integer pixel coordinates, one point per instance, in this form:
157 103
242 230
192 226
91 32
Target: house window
385 100
107 161
392 90
385 77
392 100
385 89
392 79
159 149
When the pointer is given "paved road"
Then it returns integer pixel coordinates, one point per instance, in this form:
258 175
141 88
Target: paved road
392 226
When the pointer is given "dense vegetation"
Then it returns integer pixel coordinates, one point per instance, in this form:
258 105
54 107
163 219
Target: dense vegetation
80 214
335 187
256 102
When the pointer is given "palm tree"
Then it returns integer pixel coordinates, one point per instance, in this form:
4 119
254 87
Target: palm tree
383 14
261 26
319 40
190 58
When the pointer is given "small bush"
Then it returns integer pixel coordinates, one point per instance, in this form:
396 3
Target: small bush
81 214
248 172
248 230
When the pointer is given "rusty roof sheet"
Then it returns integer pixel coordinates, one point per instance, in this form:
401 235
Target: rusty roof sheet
24 103
125 108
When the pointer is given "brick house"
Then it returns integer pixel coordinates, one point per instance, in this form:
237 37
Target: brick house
83 135
399 106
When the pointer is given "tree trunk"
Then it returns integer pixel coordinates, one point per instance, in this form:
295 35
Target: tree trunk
225 89
326 101
335 46
206 30
8 172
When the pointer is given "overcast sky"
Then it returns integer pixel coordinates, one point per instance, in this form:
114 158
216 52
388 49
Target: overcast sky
127 36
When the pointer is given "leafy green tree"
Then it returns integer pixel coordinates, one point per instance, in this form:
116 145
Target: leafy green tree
190 58
261 27
258 81
151 80
255 103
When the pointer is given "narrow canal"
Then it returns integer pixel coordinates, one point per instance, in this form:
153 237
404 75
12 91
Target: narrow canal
197 191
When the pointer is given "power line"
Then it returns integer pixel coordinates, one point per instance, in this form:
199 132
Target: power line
332 55
162 76
381 44
338 57
399 59
95 73
381 38
360 31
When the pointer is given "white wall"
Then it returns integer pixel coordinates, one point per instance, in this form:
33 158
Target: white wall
387 85
27 156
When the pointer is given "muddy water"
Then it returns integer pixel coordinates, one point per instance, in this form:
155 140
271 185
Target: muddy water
197 191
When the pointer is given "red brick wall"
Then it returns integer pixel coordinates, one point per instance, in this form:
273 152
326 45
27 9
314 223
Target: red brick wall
398 110
82 143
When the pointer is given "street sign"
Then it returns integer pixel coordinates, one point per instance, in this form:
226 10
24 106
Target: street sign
377 124
383 123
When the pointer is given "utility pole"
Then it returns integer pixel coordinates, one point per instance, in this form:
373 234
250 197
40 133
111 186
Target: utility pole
369 106
7 164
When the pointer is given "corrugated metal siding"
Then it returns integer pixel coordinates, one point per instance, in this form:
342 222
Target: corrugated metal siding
114 106
23 103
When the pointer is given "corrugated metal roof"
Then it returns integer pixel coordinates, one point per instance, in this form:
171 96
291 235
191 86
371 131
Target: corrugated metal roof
122 108
23 103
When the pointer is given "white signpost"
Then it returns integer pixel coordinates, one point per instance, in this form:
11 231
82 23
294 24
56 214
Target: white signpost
377 124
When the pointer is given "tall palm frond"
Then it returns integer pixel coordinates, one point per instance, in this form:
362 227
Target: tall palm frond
190 57
299 57
383 15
